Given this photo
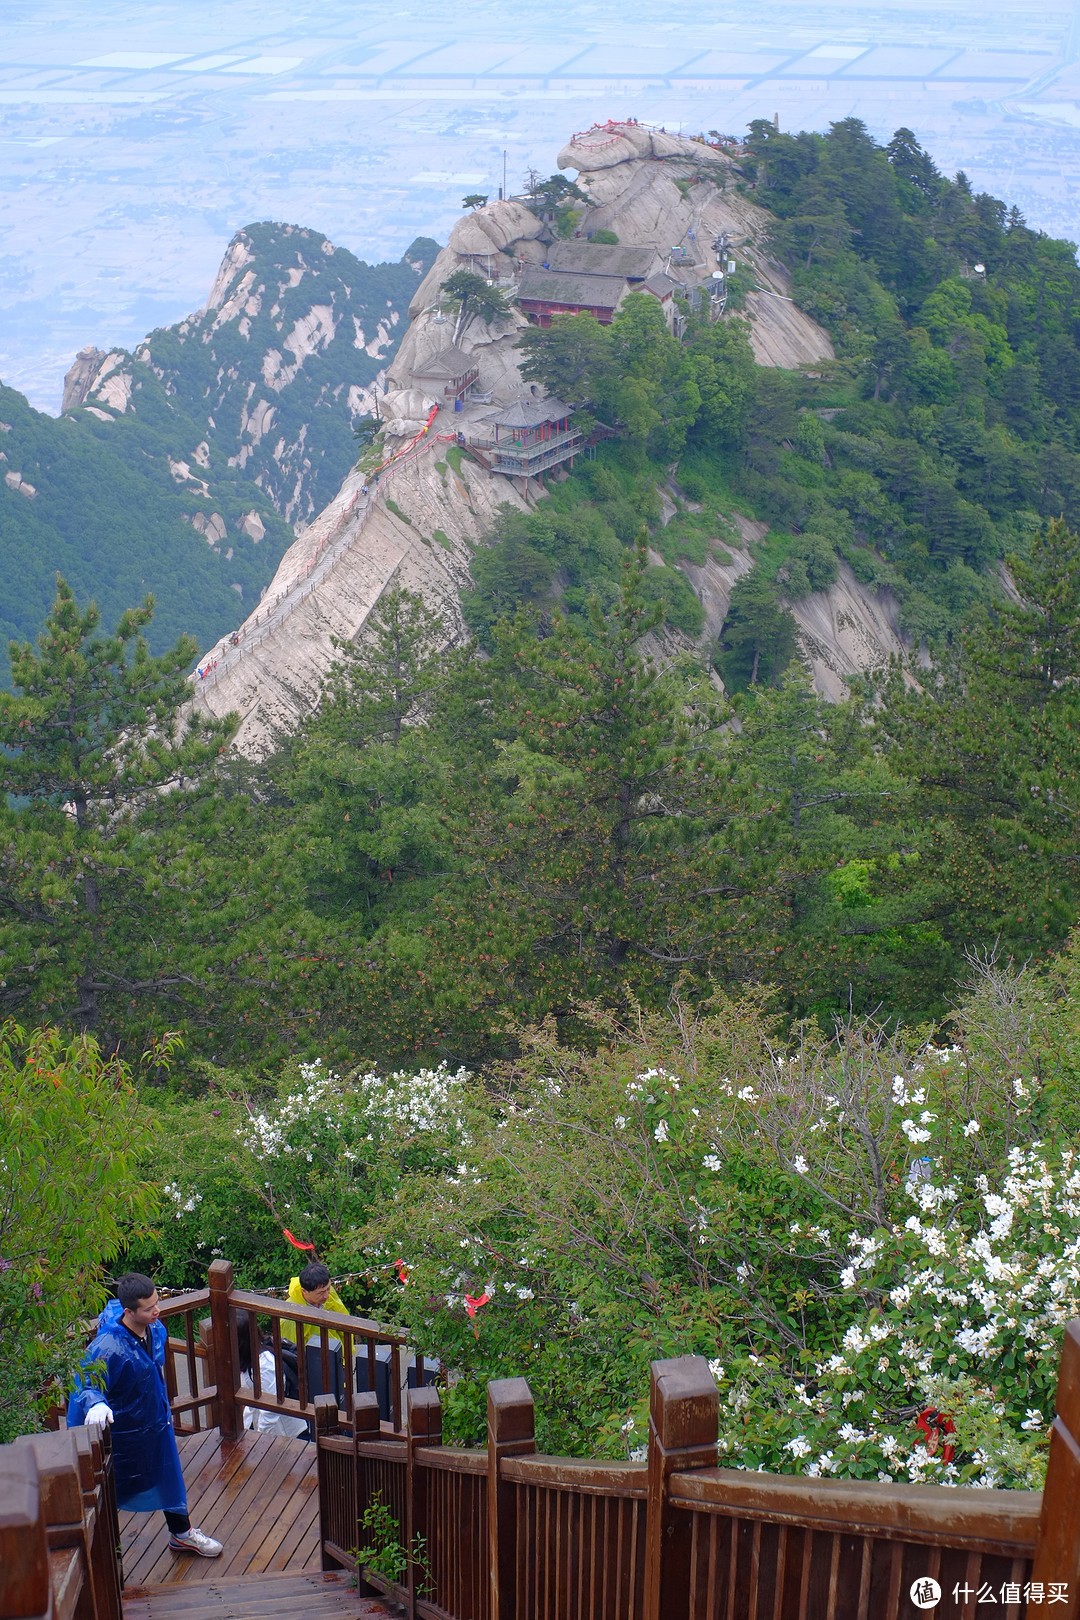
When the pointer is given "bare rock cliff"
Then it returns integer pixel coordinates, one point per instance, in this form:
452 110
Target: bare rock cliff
415 529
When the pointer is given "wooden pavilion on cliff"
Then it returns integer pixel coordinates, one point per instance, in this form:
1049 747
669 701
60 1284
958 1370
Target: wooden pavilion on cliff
526 439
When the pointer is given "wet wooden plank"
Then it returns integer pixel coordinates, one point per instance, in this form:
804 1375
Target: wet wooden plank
150 1561
258 1495
201 1458
268 1597
301 1534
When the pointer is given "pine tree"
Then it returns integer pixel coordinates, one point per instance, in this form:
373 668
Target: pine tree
95 731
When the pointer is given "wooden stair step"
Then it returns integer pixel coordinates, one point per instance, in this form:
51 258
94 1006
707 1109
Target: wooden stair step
254 1597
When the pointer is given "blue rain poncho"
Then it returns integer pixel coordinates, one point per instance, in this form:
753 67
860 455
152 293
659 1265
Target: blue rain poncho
146 1462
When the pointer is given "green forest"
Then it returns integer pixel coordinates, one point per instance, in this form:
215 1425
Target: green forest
676 1014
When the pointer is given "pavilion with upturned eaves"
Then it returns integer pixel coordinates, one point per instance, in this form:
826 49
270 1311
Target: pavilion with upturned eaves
452 370
527 438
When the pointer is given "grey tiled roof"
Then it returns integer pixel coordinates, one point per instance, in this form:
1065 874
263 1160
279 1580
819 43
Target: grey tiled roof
660 284
527 413
449 362
553 287
597 259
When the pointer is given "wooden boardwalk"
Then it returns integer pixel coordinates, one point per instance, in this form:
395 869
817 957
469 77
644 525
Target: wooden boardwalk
260 1597
259 1495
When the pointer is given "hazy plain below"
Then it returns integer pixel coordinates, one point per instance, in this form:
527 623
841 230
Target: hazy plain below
135 140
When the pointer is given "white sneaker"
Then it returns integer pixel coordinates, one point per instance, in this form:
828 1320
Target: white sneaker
194 1541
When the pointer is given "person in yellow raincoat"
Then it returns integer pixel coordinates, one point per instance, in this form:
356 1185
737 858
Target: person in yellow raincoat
313 1287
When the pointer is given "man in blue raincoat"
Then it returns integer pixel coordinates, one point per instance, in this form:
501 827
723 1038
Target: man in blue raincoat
131 1396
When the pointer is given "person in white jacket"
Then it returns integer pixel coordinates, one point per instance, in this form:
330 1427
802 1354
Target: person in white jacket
279 1423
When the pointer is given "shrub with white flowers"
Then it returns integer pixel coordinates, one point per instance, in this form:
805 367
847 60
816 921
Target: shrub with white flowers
962 1311
855 1229
316 1154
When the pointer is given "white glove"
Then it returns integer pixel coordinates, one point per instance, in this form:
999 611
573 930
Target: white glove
99 1414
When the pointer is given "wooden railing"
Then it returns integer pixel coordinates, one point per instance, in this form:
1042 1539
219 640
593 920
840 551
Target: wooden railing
202 1363
504 1534
59 1536
501 1533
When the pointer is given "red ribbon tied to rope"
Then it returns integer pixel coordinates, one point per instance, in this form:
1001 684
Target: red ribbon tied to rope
402 1271
473 1305
934 1425
295 1241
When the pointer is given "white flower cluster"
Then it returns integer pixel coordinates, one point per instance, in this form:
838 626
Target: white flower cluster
354 1110
974 1296
184 1205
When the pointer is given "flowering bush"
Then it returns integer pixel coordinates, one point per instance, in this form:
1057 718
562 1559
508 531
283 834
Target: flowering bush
315 1154
852 1229
960 1312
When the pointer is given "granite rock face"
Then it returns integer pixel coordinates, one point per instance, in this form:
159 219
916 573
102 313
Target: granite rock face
270 377
333 576
81 375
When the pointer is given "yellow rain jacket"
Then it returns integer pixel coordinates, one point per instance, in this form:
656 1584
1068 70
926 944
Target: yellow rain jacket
296 1297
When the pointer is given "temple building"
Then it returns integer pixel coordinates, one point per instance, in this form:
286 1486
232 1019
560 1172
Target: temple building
591 278
451 373
526 439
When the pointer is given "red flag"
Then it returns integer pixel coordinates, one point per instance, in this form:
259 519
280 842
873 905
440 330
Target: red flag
473 1305
295 1241
934 1425
402 1271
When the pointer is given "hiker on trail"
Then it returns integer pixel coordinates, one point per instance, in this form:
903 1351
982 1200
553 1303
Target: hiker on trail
128 1392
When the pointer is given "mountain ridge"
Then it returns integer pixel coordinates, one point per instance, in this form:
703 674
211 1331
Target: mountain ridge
160 475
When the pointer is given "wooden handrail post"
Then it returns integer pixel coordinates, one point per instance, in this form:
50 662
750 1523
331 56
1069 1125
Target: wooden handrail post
24 1552
367 1425
424 1429
511 1433
326 1423
1057 1550
220 1280
326 1415
684 1422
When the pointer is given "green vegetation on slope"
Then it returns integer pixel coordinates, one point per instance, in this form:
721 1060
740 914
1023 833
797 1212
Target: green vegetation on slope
945 433
109 516
457 842
460 839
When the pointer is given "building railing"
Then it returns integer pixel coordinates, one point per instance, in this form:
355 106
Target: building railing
525 461
488 441
504 1534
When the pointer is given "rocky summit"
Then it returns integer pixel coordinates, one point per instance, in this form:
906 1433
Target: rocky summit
187 467
667 202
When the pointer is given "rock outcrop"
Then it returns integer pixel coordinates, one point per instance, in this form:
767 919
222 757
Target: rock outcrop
295 330
81 376
651 189
329 581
